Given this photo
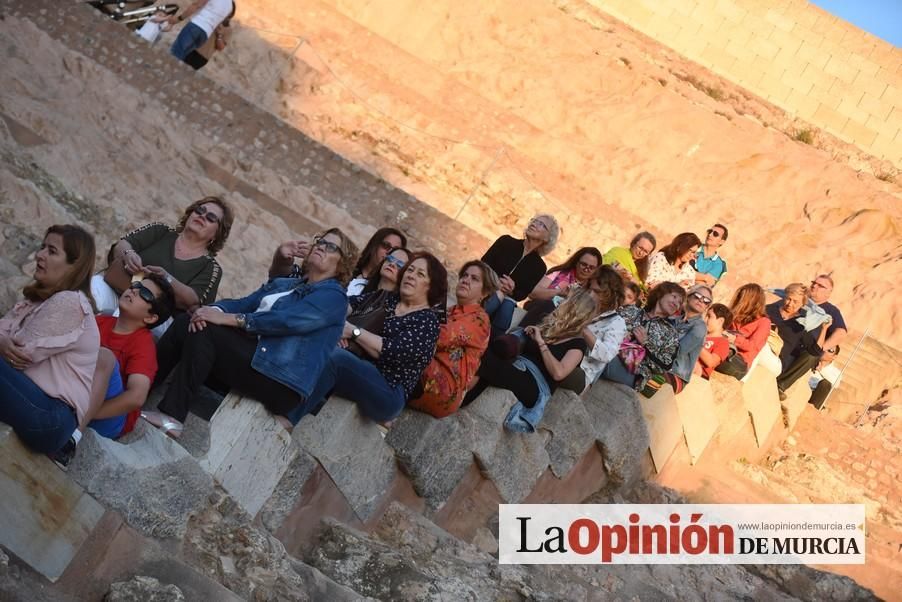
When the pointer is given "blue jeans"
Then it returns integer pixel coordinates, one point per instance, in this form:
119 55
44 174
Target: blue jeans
43 423
617 372
111 427
521 419
358 380
501 312
190 38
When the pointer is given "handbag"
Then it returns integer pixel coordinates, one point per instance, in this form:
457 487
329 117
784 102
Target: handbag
370 317
631 354
775 342
734 365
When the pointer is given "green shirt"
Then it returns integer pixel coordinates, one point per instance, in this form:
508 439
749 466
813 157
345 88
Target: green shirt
624 257
155 244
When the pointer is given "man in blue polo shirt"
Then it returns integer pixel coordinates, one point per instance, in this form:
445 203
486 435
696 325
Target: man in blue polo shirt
709 266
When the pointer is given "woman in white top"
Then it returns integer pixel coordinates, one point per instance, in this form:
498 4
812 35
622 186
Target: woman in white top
672 262
205 17
607 330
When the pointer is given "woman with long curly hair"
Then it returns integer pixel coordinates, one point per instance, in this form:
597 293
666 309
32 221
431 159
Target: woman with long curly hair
552 351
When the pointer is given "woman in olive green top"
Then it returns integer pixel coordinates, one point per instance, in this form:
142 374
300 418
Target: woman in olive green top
183 255
632 262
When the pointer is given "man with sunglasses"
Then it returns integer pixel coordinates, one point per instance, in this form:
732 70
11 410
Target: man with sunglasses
142 306
709 266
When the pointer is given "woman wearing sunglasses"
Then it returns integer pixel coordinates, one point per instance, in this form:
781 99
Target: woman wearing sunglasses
271 345
691 330
184 256
49 344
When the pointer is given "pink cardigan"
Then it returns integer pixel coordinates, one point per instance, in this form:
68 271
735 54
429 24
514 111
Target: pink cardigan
61 336
750 339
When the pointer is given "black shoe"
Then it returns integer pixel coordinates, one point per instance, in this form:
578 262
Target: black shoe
64 455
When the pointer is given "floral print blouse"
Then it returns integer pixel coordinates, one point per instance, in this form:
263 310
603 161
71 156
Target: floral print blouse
461 343
661 344
660 270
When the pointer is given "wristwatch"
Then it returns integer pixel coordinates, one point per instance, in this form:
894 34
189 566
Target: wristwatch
241 321
355 333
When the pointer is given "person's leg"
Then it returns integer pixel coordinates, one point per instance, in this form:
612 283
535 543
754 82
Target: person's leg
190 38
43 423
169 347
801 366
324 384
615 371
103 381
195 60
820 393
361 382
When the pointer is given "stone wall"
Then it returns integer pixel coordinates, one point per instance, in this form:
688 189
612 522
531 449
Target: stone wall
794 54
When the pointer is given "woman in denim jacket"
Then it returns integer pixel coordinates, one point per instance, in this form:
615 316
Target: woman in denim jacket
272 344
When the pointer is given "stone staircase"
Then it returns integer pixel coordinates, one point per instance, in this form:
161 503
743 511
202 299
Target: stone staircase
874 367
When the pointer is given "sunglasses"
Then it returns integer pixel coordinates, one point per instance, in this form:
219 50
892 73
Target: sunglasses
714 233
702 298
329 246
395 261
145 293
205 213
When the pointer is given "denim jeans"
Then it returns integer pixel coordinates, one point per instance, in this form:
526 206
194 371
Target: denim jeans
190 38
357 380
111 427
522 419
617 372
43 423
501 312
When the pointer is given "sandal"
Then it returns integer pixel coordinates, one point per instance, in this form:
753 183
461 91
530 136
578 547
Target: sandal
171 427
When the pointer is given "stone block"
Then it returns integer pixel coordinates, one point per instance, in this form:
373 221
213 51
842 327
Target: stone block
484 419
152 481
759 393
570 428
664 427
434 453
249 451
351 450
287 492
698 415
46 517
796 401
620 430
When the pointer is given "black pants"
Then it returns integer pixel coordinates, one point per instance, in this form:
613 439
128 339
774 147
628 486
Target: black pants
801 366
819 395
497 372
224 353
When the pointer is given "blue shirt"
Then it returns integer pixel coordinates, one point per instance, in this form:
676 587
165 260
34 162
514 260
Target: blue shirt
714 265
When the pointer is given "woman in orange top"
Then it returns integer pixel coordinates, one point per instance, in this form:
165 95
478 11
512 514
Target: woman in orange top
461 343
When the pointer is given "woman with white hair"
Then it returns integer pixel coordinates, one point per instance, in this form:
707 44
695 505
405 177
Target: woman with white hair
519 265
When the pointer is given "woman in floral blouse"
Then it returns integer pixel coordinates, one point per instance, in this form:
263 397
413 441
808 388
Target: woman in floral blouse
461 343
673 262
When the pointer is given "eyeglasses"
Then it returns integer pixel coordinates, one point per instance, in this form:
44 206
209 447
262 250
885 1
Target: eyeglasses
395 261
538 223
145 293
702 298
586 266
817 284
386 245
641 251
205 213
714 233
329 246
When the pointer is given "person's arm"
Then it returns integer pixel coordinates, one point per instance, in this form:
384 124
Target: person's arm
284 256
57 327
657 270
370 342
188 12
756 339
528 276
317 310
836 338
560 369
703 278
415 344
709 358
543 290
186 297
605 345
132 398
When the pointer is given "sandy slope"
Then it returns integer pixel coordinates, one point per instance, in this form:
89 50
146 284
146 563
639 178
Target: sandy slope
521 106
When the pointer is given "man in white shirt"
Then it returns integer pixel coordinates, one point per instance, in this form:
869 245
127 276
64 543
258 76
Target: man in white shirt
205 16
824 377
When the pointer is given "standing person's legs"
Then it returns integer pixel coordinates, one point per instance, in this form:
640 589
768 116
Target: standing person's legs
189 39
43 423
820 393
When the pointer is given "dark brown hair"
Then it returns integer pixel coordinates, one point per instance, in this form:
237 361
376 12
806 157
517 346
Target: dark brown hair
665 288
222 228
490 280
438 278
571 262
78 245
722 311
372 284
679 245
164 303
642 264
372 244
611 290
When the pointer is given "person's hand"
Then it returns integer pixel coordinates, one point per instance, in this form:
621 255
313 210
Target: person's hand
207 315
704 279
564 289
731 336
132 262
14 354
686 283
534 333
641 334
507 284
158 271
292 249
348 330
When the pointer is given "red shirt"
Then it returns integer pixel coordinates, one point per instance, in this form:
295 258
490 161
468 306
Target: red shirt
720 347
136 351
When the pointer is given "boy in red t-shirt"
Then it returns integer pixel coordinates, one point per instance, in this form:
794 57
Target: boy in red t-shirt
133 355
717 347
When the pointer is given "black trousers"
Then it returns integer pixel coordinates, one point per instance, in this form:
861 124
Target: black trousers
819 395
223 353
497 372
801 366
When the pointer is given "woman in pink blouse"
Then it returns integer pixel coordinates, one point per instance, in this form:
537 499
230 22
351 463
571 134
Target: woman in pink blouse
461 343
49 344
